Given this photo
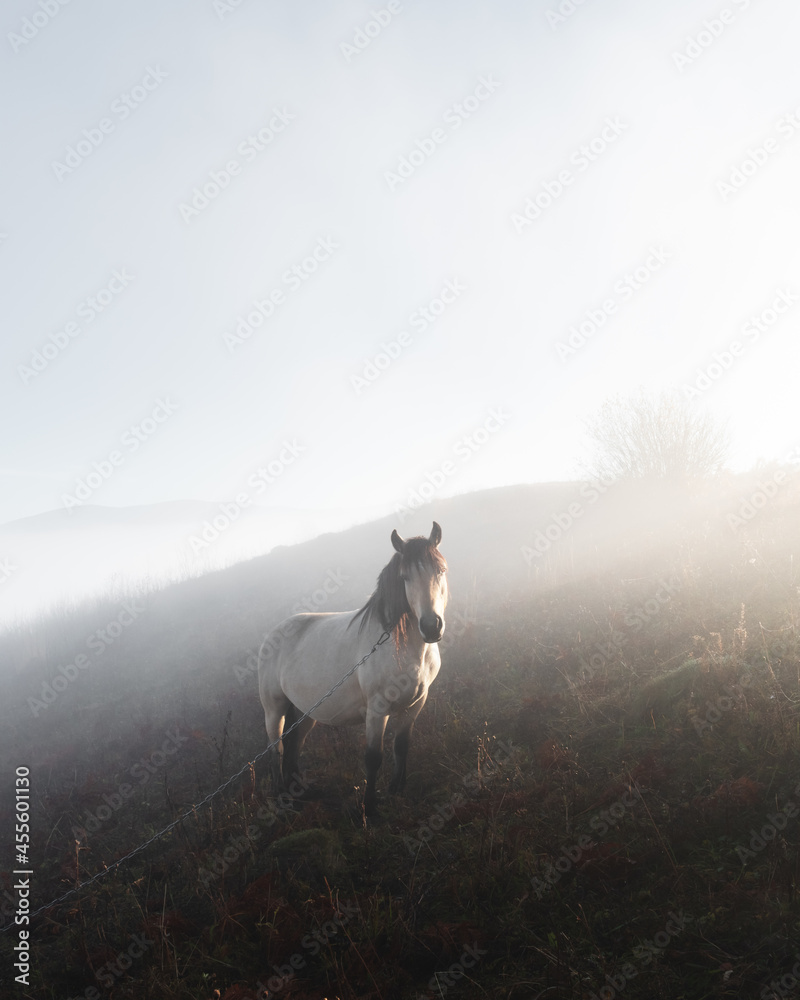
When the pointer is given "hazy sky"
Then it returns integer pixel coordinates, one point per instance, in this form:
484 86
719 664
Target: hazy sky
167 165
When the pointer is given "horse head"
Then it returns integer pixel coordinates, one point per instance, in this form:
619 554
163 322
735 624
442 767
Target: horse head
423 571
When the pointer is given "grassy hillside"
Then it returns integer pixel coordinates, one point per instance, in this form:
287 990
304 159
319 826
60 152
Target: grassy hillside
603 794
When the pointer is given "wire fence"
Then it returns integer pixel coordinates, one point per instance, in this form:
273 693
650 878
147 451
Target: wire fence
211 795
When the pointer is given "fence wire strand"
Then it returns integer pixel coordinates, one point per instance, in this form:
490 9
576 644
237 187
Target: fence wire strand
209 797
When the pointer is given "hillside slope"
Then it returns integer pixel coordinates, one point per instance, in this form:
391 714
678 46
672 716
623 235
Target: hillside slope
602 787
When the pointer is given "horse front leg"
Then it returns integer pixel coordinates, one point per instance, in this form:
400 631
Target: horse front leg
376 726
402 740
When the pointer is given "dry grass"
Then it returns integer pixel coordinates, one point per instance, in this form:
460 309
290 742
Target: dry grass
640 840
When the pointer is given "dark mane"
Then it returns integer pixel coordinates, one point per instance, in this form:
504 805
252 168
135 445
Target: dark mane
388 605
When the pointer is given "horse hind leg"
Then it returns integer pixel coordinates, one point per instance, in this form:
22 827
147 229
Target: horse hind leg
274 721
293 744
275 705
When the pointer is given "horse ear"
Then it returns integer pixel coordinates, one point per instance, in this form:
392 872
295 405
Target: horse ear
436 535
397 541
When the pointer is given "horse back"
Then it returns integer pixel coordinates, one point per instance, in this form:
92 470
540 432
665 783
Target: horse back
321 639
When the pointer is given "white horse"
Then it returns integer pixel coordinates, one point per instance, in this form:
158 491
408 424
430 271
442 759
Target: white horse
307 654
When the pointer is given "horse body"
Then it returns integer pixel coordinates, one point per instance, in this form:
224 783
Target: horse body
321 654
308 653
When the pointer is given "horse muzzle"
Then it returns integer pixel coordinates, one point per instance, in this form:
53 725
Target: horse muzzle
431 627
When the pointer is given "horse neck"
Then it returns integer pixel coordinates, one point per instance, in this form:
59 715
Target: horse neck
412 649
